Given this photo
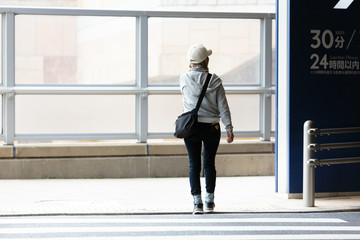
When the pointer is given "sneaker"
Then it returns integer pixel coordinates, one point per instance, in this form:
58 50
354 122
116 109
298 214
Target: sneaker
209 206
198 208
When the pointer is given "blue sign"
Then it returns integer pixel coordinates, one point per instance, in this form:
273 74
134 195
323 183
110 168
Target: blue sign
324 80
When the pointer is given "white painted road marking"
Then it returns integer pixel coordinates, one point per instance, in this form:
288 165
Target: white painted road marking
174 229
343 4
212 237
184 220
194 228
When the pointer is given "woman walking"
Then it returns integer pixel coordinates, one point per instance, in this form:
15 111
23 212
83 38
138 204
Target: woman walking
213 107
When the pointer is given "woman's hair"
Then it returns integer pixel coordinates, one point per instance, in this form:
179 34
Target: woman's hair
202 64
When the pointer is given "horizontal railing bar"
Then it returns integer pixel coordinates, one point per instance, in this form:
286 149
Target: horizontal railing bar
88 136
340 145
72 90
111 136
249 90
329 146
338 130
119 90
211 14
131 13
226 85
333 161
44 85
223 134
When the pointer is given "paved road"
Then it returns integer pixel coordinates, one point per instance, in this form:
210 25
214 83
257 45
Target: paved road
170 227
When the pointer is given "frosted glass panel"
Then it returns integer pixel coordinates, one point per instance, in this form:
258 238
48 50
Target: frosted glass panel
273 41
163 111
235 44
273 114
1 123
0 49
75 114
245 111
74 50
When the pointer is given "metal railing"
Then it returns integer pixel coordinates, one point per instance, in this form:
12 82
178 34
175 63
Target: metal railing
311 162
9 89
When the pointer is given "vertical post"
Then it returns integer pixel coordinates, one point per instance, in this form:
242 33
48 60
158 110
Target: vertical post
266 78
8 75
309 169
142 77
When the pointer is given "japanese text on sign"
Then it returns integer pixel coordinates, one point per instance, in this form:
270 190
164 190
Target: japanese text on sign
327 62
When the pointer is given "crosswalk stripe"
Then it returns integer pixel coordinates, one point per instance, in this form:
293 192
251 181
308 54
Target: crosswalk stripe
185 220
174 229
182 228
211 237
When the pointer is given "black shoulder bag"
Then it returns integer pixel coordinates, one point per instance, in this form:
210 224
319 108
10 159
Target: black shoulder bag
186 124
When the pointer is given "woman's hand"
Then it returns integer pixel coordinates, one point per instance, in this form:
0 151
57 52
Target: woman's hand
230 136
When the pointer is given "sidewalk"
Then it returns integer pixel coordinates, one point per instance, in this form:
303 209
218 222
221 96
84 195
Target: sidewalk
151 195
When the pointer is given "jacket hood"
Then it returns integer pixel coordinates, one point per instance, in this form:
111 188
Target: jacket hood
195 80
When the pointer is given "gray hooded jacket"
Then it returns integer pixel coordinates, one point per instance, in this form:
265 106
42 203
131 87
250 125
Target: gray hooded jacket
214 105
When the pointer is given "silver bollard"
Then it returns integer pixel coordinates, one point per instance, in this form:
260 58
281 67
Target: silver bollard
308 168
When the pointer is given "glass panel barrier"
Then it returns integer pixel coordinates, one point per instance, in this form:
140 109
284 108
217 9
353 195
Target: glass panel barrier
1 80
273 112
163 111
273 42
1 115
44 114
245 111
235 44
74 50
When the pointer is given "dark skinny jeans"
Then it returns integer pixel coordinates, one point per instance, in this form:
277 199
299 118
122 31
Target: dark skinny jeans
208 136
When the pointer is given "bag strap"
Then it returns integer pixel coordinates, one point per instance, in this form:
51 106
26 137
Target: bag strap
203 92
